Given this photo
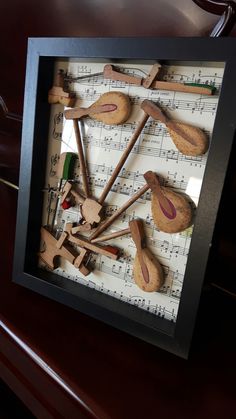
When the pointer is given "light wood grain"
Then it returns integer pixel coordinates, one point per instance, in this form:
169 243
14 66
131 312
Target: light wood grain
112 108
188 139
83 168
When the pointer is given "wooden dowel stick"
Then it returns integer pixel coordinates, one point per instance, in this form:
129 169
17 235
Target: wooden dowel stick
123 158
112 74
92 247
83 169
147 82
111 235
181 87
118 212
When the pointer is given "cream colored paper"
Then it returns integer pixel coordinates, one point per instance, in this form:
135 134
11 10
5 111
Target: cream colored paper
155 151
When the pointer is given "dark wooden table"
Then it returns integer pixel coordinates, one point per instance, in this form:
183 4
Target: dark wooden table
62 363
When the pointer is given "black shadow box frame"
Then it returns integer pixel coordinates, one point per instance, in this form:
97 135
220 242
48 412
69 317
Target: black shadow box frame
42 52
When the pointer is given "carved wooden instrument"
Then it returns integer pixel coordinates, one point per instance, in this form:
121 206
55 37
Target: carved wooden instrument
112 108
189 140
171 212
148 273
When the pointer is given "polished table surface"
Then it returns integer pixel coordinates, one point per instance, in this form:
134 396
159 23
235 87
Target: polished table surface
60 362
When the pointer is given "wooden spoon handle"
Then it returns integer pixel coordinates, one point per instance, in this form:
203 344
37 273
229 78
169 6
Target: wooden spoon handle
111 236
154 111
124 157
138 236
166 205
83 169
147 82
112 108
110 73
77 113
119 211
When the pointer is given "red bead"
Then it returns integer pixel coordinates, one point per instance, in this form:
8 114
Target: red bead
66 205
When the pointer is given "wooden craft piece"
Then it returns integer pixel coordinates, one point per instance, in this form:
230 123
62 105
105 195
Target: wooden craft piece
166 205
124 157
78 262
147 82
174 219
108 251
66 165
61 240
189 140
148 273
138 236
67 191
90 209
81 228
57 94
64 172
112 108
156 278
109 72
118 212
52 251
83 167
110 236
196 88
55 248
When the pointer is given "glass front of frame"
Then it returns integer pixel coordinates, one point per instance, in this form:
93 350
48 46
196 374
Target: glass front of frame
154 150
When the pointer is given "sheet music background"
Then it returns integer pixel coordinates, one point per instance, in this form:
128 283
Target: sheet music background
155 151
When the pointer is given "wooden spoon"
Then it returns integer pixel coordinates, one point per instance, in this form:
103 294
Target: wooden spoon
148 273
189 140
171 212
112 108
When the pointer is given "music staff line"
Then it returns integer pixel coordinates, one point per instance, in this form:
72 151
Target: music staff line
162 153
157 309
125 273
102 169
200 105
99 80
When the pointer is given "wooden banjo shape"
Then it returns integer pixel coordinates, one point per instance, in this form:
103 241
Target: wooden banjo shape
148 273
57 94
171 212
189 140
112 108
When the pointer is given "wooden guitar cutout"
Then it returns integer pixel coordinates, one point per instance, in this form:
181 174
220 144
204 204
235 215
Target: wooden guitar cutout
112 108
189 140
171 212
